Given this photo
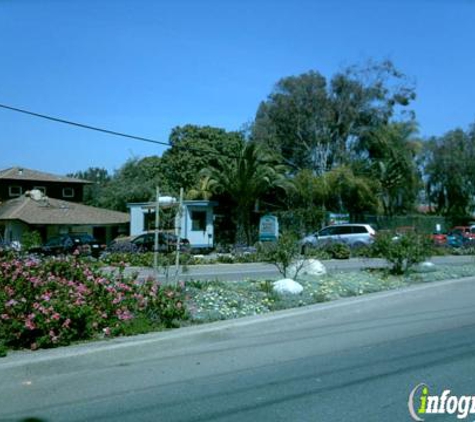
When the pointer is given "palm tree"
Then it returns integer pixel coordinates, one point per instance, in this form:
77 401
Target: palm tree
250 173
202 190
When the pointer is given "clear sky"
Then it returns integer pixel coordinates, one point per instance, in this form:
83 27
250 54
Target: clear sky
146 66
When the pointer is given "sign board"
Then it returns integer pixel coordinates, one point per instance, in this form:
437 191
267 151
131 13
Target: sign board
268 228
334 218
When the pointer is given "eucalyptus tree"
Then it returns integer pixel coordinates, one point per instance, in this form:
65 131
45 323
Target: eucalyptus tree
318 124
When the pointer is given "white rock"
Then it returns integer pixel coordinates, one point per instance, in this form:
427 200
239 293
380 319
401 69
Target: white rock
287 285
425 267
312 267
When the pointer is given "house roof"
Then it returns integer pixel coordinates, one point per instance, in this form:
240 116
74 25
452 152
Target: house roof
21 173
47 211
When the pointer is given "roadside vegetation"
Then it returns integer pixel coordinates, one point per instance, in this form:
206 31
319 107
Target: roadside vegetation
57 301
54 302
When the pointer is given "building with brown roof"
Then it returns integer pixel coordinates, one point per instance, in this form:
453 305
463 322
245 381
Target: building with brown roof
50 217
15 181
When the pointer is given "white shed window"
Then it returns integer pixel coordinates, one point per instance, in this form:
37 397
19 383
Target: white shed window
198 220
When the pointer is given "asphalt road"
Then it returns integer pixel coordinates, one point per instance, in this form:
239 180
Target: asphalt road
262 271
350 360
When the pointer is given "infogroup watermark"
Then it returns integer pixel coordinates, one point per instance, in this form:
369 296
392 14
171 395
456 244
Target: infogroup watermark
422 403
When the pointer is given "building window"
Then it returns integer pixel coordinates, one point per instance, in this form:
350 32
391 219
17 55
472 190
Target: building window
149 221
68 193
42 189
15 191
198 220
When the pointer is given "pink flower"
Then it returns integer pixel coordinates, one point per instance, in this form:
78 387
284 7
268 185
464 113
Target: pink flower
53 336
56 316
4 317
30 324
124 314
66 323
107 331
11 302
46 296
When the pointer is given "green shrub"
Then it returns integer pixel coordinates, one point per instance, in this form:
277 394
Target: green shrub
282 253
30 239
402 251
338 250
57 301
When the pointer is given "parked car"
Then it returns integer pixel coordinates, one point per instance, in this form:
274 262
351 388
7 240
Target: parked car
461 236
468 232
439 238
70 243
354 235
167 242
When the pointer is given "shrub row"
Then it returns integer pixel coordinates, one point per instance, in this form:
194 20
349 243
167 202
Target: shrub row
60 300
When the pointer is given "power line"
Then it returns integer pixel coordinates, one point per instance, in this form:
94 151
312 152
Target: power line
125 135
84 126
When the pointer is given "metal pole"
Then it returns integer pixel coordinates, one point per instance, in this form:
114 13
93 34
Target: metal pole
157 224
178 224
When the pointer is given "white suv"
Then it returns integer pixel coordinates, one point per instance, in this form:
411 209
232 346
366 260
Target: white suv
354 235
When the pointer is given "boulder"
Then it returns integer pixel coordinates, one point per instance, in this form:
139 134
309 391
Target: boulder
287 286
425 267
311 267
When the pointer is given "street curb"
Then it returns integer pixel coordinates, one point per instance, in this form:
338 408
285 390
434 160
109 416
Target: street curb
20 358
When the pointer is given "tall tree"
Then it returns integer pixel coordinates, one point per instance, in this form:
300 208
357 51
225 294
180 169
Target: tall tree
194 148
390 159
449 172
318 125
245 178
93 193
135 181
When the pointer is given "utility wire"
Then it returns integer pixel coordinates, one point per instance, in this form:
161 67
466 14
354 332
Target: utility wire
84 126
121 134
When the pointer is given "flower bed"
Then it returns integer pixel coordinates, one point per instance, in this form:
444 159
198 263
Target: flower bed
57 301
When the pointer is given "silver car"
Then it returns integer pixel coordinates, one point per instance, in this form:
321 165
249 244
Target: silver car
354 235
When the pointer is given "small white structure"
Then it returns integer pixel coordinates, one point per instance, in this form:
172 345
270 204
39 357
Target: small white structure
196 222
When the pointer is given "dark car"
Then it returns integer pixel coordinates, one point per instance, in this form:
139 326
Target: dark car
82 243
167 242
461 236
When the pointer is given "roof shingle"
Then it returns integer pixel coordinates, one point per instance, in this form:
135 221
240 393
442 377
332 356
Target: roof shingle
21 173
58 212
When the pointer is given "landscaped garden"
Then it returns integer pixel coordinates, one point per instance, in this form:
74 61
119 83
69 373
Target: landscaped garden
54 302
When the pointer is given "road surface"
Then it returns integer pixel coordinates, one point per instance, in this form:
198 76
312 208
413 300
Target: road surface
262 271
351 360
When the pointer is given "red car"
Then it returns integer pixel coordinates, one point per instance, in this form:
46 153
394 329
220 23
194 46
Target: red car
439 239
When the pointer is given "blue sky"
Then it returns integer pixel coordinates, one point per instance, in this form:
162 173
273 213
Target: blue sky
144 67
